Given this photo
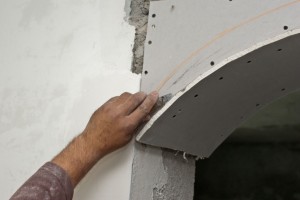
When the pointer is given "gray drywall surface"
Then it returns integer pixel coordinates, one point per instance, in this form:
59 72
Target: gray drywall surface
161 174
220 72
184 37
200 120
285 111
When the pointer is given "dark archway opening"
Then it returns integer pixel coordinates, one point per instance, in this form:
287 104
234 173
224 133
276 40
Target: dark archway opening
260 160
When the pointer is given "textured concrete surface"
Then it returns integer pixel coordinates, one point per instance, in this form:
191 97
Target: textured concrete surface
138 17
161 175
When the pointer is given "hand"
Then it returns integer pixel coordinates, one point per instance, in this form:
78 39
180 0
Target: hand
114 123
110 127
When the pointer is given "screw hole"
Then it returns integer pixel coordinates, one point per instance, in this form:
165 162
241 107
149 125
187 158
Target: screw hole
285 27
149 42
221 78
146 72
279 49
249 61
283 89
154 15
212 63
196 95
174 116
257 105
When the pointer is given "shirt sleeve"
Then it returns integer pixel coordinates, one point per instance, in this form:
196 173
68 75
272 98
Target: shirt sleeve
50 182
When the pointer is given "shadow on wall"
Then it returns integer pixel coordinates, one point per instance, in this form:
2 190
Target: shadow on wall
260 160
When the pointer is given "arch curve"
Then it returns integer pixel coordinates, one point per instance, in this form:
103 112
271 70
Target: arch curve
203 113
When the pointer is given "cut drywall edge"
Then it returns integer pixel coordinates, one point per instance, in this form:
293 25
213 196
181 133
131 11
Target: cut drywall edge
209 72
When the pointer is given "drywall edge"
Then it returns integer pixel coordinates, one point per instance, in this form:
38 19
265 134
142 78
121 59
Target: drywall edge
209 72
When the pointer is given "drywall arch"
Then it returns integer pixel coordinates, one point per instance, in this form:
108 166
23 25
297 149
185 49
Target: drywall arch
242 66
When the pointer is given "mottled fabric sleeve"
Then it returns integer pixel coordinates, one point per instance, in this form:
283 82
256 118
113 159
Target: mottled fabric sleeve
50 182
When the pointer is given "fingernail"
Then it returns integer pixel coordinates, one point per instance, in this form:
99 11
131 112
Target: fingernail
154 93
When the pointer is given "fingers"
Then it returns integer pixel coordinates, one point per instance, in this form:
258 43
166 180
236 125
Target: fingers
112 100
133 102
124 96
143 110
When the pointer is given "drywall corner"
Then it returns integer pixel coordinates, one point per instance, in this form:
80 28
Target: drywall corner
161 174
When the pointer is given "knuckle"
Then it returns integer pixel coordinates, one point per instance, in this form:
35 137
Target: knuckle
137 99
125 94
110 111
106 108
141 96
144 109
112 99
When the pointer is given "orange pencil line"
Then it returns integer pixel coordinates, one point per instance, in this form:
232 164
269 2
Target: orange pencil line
219 36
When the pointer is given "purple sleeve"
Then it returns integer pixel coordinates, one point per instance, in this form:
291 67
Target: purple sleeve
50 182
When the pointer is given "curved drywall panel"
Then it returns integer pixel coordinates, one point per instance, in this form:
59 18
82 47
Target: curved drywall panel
185 37
205 115
218 65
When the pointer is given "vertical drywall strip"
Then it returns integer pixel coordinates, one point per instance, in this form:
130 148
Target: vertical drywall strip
161 174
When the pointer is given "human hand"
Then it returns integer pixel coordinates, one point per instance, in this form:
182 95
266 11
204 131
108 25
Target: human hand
110 127
115 122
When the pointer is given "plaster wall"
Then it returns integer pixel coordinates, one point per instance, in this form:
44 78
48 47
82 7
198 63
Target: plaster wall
59 61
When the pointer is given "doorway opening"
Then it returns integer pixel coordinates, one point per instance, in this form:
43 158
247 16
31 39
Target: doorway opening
259 161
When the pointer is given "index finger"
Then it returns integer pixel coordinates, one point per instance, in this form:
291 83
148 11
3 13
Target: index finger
143 110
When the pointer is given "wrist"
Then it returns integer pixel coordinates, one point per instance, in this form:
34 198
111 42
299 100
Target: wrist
93 147
79 157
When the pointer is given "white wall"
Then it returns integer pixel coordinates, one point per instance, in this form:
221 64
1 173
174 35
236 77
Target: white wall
59 61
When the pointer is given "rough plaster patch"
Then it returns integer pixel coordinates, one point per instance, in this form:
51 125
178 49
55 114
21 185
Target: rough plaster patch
181 172
161 174
158 193
139 18
137 12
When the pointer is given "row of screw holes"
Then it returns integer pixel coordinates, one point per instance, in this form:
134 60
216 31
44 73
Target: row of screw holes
153 26
242 117
150 42
212 63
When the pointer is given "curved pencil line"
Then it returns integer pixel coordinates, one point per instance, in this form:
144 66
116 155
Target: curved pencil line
219 36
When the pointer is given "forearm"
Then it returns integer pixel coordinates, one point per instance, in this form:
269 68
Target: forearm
80 156
110 127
